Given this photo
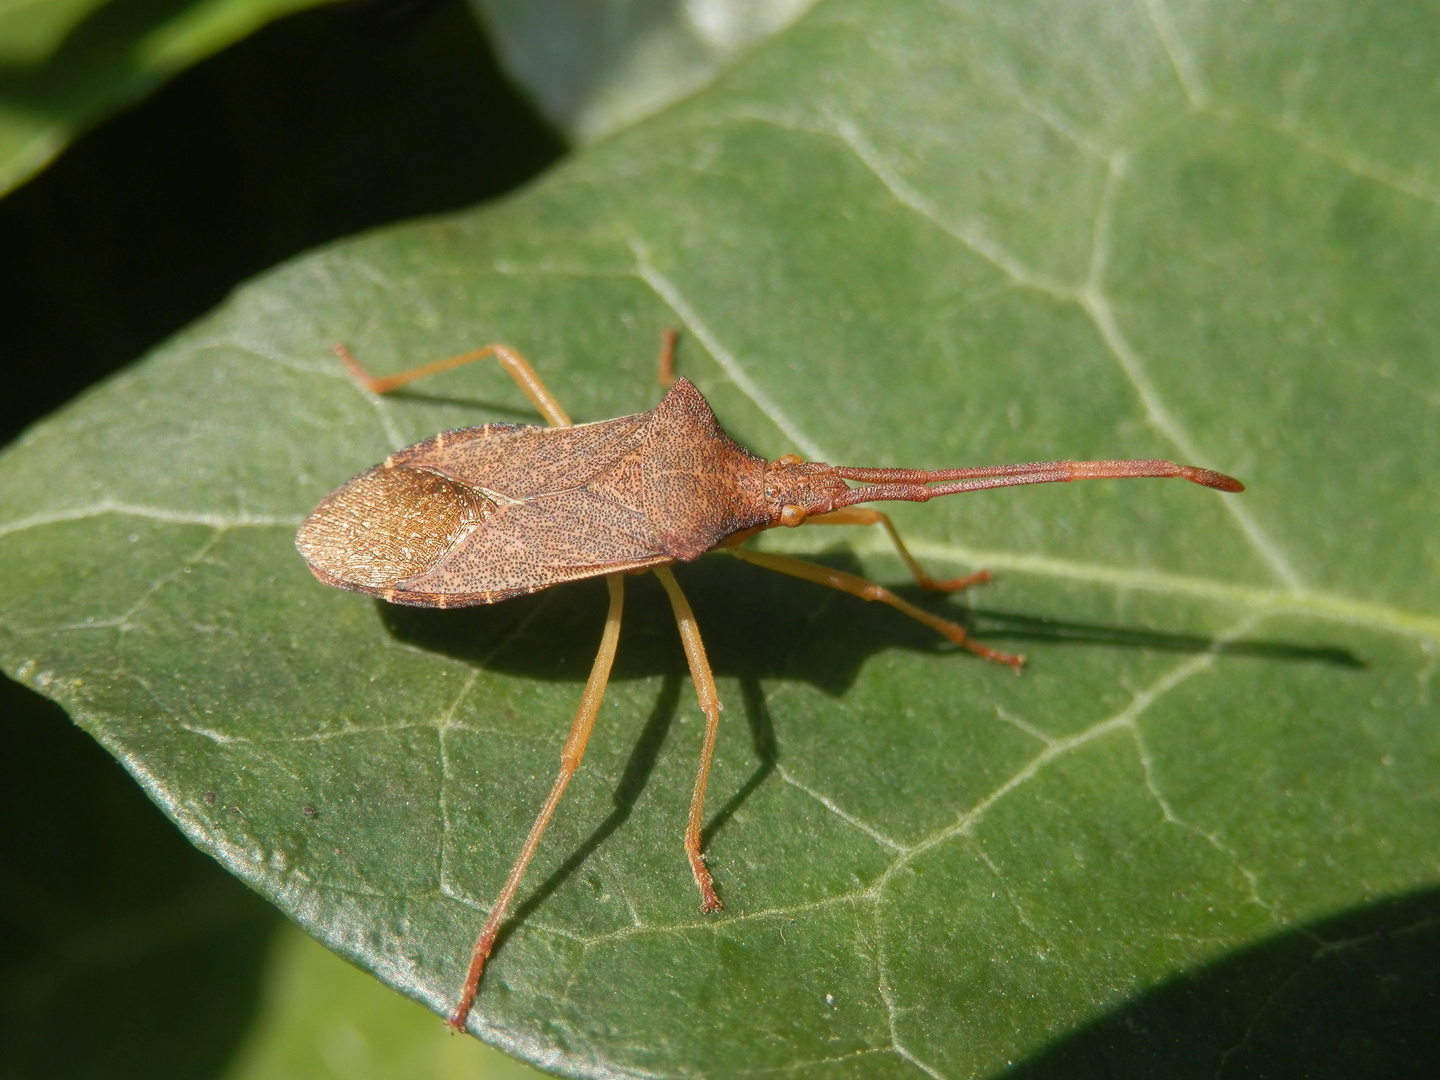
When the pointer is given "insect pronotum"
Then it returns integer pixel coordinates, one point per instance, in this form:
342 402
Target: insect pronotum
482 514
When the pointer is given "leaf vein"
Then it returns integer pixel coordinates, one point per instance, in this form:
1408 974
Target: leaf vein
1181 62
844 815
1121 721
666 290
150 513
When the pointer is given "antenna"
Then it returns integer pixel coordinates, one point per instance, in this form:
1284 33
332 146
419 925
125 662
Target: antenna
911 485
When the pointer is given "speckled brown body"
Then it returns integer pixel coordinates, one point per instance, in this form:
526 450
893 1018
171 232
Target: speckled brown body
482 514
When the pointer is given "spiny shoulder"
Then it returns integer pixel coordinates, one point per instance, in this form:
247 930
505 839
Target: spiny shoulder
685 435
684 413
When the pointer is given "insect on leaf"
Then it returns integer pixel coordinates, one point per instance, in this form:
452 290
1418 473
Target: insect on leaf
910 235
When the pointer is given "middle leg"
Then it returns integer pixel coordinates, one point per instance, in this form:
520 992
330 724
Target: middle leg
665 368
868 590
863 515
710 706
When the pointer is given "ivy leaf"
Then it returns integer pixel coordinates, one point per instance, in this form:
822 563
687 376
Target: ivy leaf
896 235
64 64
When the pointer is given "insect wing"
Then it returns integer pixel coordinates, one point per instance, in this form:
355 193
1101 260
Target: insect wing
481 514
556 509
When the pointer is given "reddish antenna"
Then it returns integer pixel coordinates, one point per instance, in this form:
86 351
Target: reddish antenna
910 485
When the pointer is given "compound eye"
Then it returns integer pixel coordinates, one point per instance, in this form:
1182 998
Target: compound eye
791 515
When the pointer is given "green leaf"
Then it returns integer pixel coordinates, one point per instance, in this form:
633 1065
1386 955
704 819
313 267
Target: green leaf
65 64
896 235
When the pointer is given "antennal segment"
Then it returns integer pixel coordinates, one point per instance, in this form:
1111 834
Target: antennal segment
912 485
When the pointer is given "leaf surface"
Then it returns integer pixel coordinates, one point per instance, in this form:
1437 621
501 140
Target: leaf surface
924 235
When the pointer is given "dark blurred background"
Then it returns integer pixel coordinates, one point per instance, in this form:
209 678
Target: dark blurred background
124 951
335 120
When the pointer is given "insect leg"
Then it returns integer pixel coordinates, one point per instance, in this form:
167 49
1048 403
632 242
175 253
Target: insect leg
570 758
515 365
665 369
710 706
860 515
868 590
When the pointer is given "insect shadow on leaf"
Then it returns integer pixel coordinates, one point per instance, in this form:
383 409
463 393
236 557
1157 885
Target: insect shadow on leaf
758 626
761 628
1353 994
1006 625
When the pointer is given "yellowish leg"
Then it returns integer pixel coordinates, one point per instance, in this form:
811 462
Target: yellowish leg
515 365
665 373
868 590
570 758
710 706
863 515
